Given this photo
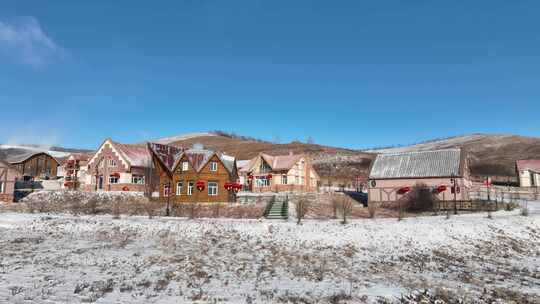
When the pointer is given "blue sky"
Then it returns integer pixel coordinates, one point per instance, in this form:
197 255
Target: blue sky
346 73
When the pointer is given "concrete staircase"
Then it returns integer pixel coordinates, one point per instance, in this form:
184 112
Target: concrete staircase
277 210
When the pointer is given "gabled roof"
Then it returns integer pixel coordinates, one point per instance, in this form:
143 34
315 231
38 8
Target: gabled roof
135 155
438 163
59 157
4 164
276 162
168 155
198 158
528 164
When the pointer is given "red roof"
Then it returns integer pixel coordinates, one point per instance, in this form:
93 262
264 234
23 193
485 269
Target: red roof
136 155
528 164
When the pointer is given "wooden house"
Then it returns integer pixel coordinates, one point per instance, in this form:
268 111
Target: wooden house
196 175
37 165
119 167
444 172
8 176
280 173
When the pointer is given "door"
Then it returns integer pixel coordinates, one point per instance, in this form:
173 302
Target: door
100 182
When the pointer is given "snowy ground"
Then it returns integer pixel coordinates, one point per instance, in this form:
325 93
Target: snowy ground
67 259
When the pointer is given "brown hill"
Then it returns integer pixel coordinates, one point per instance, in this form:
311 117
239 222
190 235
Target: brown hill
336 165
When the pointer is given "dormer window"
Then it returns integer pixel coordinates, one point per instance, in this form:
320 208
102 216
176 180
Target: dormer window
213 166
185 166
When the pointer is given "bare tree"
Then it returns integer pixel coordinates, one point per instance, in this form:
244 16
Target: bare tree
346 208
302 208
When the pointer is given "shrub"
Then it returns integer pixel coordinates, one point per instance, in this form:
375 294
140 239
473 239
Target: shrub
420 199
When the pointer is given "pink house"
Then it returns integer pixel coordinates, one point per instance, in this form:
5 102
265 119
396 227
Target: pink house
119 167
279 173
445 172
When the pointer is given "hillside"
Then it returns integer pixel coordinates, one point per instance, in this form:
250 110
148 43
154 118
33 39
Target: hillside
493 155
337 165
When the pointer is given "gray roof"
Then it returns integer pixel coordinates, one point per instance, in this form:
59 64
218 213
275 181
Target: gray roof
439 163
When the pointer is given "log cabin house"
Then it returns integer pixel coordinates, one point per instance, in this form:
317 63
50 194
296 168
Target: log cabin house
444 172
37 165
119 167
8 176
195 175
280 173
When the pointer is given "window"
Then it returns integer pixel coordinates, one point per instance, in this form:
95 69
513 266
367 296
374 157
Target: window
262 181
112 163
2 187
113 179
179 188
213 166
264 167
185 166
137 179
212 188
284 179
297 180
166 190
190 188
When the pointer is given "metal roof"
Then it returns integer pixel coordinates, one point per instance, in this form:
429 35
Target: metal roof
439 163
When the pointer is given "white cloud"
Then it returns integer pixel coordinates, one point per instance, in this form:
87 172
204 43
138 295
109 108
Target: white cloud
25 42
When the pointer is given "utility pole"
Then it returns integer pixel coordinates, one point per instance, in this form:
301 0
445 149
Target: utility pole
168 210
454 187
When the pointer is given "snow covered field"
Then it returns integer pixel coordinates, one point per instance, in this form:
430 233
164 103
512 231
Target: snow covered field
67 259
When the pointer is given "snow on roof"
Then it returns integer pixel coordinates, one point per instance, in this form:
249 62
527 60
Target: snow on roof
138 155
168 155
528 164
198 158
19 158
281 162
438 163
242 164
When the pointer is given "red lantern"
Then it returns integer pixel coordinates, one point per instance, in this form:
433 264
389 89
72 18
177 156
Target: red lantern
125 188
250 176
200 185
269 176
441 189
116 174
228 185
404 190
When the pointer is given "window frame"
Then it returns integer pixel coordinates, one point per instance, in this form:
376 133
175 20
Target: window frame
112 163
185 166
138 176
166 190
213 166
179 186
215 185
116 180
191 185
